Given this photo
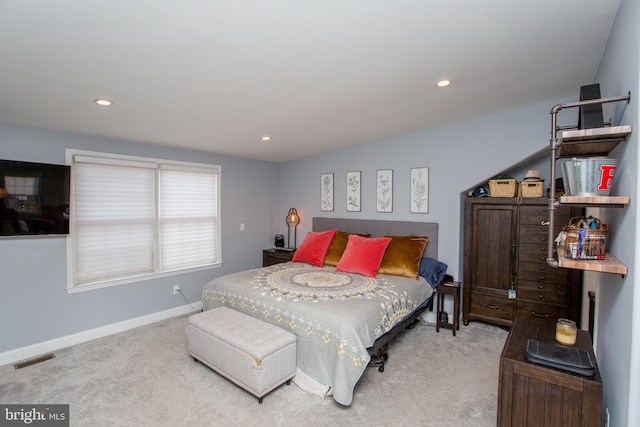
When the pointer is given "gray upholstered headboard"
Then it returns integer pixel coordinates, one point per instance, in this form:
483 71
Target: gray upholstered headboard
379 228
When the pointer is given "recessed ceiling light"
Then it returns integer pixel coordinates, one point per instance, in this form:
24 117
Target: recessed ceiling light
443 83
103 102
266 138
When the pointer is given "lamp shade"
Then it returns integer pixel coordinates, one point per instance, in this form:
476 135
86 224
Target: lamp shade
292 219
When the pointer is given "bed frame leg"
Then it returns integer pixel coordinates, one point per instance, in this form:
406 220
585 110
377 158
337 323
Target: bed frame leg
413 323
381 357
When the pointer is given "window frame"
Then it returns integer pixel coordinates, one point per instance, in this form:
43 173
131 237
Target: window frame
73 287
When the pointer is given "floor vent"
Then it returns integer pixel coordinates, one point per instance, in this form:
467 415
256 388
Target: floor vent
33 361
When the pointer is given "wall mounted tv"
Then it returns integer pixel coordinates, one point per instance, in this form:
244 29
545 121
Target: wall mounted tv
34 199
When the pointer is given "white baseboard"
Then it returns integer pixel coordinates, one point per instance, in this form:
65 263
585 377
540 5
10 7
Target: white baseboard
34 350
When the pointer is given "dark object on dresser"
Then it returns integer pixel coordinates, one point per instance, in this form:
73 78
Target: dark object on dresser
561 357
534 395
505 270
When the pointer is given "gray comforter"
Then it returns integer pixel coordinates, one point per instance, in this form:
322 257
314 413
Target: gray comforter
336 316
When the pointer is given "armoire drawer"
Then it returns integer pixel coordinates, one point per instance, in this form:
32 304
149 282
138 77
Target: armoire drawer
500 308
542 292
538 272
539 214
543 312
530 252
535 234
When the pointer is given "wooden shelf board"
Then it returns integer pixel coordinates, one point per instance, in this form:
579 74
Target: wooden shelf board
608 265
609 201
588 148
592 142
605 133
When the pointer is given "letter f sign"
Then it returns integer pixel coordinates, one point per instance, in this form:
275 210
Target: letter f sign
606 176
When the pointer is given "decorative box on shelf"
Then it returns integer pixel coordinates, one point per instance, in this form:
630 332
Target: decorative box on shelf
502 187
532 189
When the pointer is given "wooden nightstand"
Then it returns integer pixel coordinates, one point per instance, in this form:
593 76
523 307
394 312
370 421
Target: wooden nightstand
272 256
453 289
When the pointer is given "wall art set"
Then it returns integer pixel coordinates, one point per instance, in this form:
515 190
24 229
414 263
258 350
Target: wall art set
418 188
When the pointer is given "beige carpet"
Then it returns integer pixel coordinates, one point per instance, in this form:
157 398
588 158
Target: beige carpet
144 377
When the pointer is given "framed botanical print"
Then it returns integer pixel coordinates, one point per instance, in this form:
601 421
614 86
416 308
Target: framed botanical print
420 190
384 190
326 192
353 191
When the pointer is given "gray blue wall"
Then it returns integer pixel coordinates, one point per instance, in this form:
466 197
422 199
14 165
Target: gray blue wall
34 305
459 157
618 326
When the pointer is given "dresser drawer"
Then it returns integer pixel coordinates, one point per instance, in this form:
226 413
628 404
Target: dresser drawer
542 292
500 308
541 273
534 214
543 312
539 214
536 234
532 253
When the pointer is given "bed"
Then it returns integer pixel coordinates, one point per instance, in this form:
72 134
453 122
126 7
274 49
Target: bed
342 315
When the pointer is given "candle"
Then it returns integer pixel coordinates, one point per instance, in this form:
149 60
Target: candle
566 331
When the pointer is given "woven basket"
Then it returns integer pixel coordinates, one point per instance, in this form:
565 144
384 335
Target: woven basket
502 187
532 189
582 241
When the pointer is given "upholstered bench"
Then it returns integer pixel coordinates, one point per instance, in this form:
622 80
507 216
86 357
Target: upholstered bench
254 354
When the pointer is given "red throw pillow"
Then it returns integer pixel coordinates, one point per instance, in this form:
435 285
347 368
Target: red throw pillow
314 248
362 255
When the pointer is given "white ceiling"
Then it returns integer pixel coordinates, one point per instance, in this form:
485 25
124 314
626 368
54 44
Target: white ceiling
216 75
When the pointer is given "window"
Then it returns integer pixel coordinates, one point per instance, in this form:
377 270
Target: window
133 217
23 192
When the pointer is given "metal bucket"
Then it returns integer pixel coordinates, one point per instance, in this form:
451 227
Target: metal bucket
588 177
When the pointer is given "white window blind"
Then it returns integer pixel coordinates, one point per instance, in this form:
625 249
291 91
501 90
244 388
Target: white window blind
188 216
135 217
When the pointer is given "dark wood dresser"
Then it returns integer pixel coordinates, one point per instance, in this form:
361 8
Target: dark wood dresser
535 395
506 274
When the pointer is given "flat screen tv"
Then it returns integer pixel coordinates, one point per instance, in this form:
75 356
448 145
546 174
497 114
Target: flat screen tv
34 199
